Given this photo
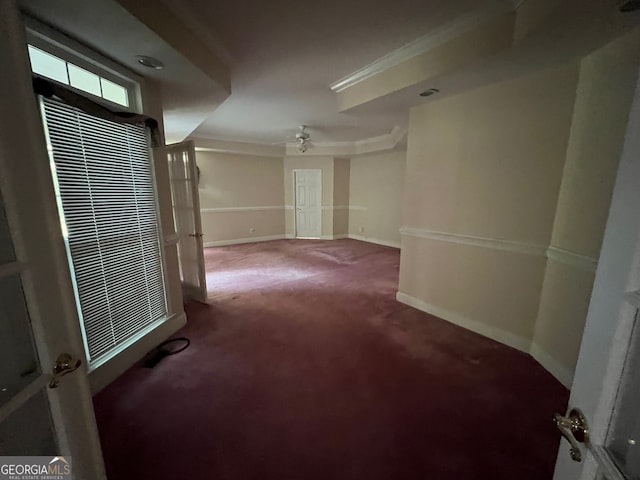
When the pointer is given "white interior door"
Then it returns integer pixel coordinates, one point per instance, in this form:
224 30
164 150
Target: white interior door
606 385
308 198
38 317
183 175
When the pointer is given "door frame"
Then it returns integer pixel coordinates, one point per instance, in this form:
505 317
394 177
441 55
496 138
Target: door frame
612 313
31 209
295 200
198 293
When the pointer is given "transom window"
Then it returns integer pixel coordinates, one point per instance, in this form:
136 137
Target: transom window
67 73
105 188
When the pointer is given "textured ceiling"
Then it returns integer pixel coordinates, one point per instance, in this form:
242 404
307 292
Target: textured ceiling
282 55
285 54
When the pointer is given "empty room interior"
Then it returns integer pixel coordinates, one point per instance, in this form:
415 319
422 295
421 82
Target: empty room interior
283 240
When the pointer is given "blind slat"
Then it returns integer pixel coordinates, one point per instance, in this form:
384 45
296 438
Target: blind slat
107 197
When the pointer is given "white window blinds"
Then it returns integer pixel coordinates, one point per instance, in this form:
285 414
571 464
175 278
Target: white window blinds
105 189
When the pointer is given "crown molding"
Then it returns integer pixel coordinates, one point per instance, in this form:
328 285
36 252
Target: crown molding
380 143
434 38
238 148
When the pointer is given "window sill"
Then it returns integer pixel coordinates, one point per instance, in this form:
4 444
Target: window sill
110 367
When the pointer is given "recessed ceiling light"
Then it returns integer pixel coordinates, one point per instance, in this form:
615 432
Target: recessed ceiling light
429 92
630 6
150 62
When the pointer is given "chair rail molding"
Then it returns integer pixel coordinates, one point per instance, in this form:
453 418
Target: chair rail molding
573 259
243 209
334 207
476 241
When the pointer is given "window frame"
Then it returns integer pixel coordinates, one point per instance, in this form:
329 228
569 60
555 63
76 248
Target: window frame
59 45
55 43
98 361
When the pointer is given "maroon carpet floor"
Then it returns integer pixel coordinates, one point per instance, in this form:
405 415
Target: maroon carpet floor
305 367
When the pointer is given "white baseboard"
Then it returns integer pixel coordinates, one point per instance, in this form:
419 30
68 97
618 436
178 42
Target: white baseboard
377 241
497 334
334 237
551 365
235 241
561 373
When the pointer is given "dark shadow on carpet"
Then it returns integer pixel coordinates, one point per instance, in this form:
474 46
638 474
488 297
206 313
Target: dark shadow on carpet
303 367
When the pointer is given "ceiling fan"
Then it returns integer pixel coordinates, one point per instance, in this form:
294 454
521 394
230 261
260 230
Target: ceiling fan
302 139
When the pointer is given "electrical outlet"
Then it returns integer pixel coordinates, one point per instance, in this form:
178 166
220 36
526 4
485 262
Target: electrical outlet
252 230
361 229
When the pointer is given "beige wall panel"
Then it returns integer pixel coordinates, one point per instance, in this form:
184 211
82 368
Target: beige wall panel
607 81
322 163
563 310
341 176
229 180
496 288
222 226
375 195
489 162
341 222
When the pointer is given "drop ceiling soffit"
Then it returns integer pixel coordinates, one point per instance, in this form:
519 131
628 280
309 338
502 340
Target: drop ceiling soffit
427 42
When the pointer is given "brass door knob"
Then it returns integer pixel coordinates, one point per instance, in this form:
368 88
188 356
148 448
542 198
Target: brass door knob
574 429
65 364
